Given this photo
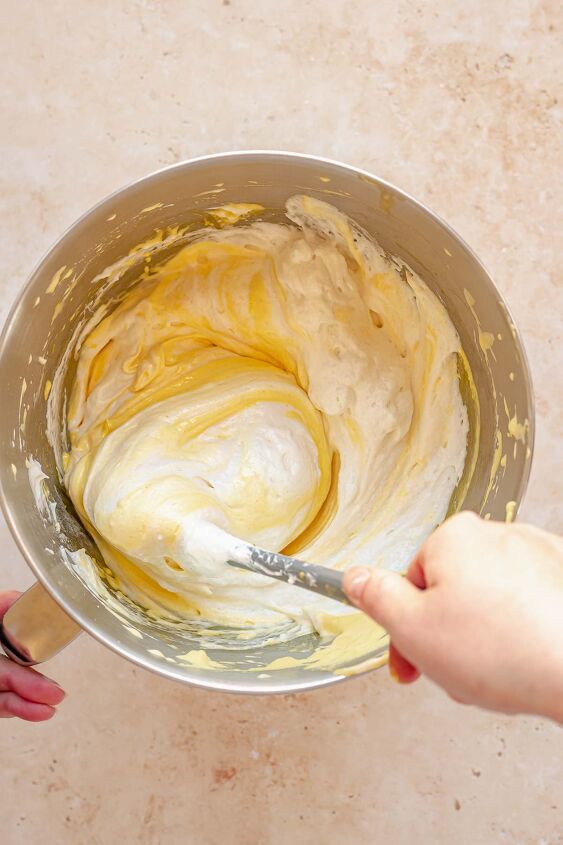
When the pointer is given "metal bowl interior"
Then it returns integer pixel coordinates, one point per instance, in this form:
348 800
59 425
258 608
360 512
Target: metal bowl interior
44 320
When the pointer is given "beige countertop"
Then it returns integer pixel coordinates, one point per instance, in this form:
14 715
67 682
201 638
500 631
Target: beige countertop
457 104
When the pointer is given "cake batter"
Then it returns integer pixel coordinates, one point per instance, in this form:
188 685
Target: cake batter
288 386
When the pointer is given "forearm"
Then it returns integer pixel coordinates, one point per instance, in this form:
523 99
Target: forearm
552 704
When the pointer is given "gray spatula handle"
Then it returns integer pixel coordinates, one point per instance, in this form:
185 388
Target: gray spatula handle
310 576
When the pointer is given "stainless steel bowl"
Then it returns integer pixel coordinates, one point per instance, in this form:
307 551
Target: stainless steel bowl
54 301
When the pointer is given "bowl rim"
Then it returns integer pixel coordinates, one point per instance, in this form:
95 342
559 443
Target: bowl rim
80 618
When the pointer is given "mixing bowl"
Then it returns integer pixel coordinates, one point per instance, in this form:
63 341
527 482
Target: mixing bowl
74 591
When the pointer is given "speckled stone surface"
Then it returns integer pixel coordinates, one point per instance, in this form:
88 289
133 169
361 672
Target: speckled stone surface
455 103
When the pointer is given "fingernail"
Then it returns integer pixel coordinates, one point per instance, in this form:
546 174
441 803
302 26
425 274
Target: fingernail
356 582
394 674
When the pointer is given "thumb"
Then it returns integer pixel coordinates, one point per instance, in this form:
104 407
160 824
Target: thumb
387 597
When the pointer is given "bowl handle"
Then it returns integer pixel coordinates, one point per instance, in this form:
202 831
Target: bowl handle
35 628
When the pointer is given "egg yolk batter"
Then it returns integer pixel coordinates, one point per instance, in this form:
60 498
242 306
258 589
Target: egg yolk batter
289 386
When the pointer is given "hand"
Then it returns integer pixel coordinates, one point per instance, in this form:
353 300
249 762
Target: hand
480 612
25 692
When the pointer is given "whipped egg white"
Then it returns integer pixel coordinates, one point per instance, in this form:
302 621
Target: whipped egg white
288 386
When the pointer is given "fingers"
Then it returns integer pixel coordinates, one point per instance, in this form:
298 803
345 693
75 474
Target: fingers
28 683
24 692
399 667
12 705
386 596
393 602
7 599
415 573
